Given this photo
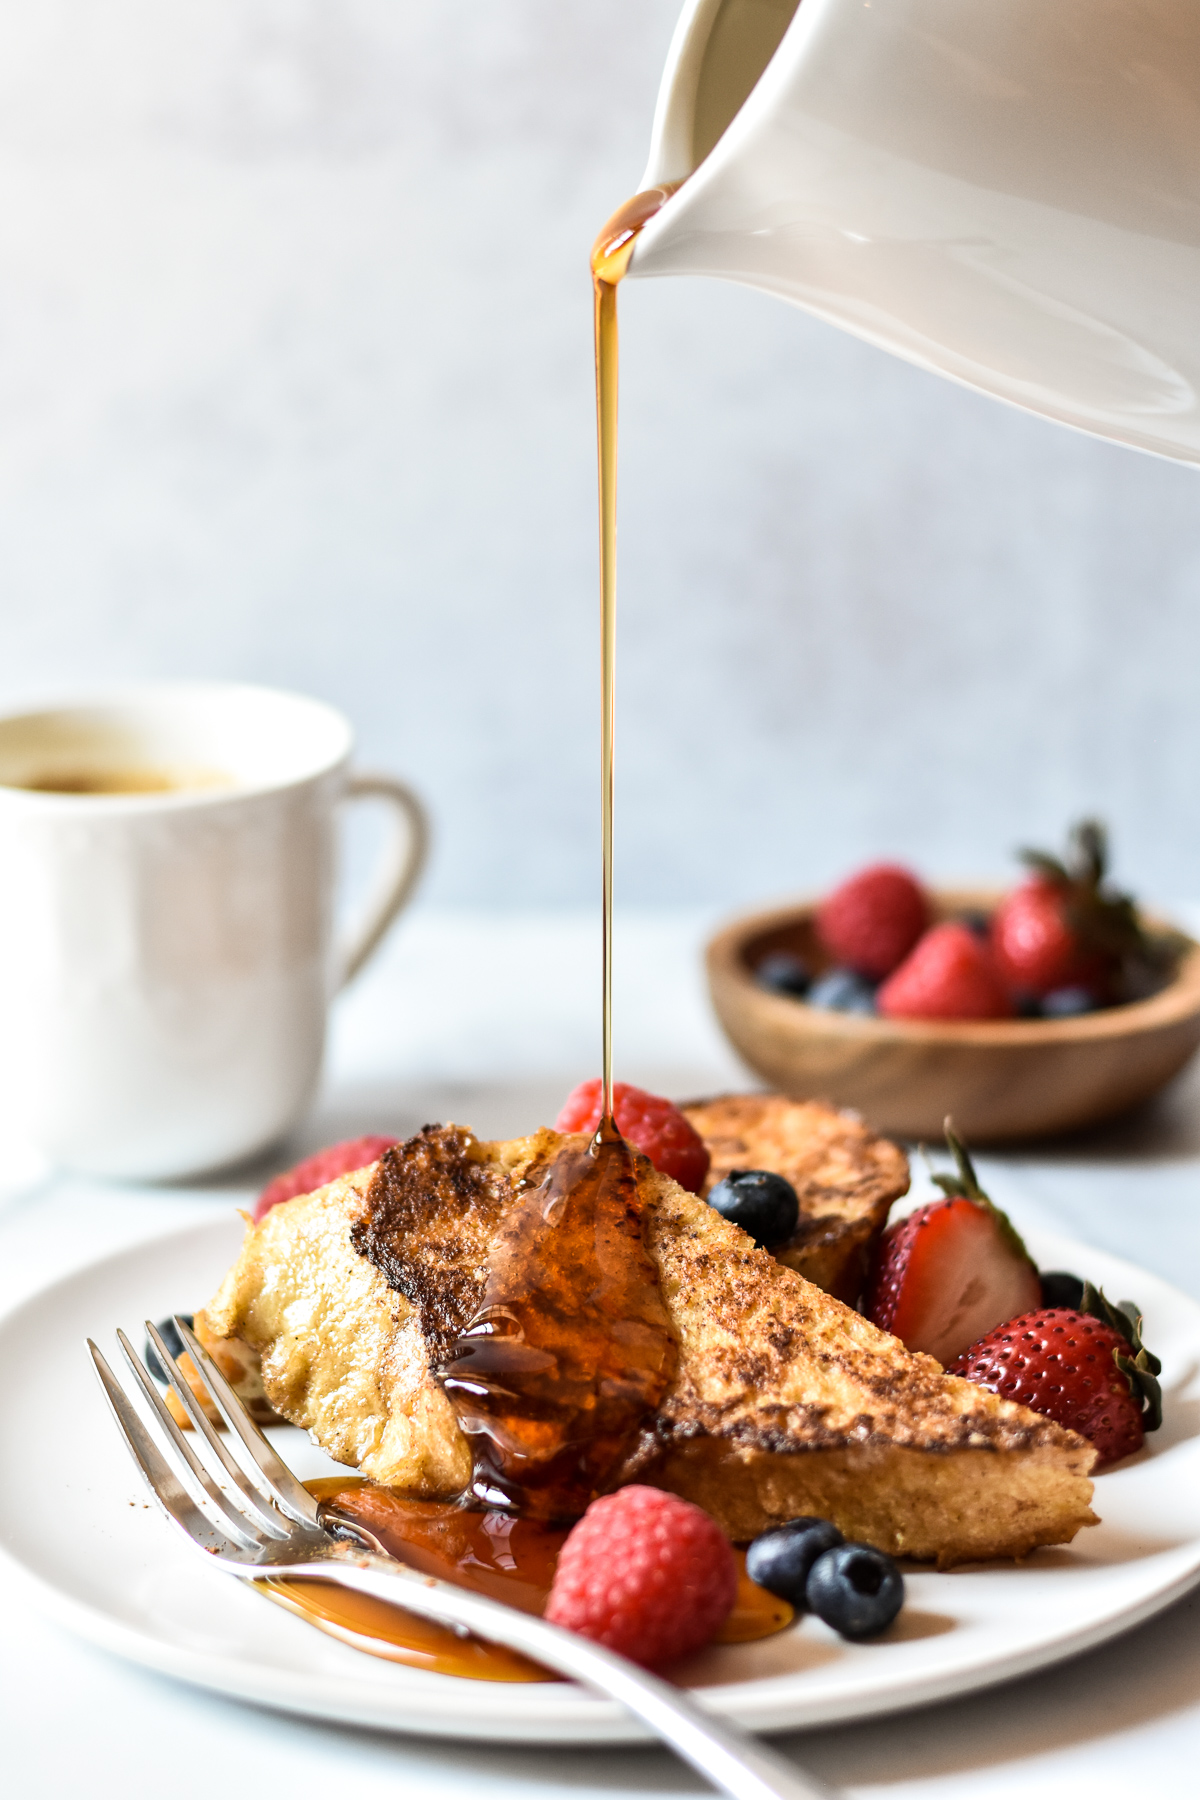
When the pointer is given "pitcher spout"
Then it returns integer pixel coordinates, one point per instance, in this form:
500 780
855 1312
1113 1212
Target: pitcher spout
1001 192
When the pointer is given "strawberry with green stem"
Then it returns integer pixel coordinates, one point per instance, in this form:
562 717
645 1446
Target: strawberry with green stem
952 1270
1066 928
1085 1368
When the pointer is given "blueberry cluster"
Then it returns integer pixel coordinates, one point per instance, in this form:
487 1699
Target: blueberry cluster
835 990
854 1588
784 973
843 990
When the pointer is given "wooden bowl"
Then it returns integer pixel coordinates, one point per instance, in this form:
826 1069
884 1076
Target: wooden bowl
1000 1078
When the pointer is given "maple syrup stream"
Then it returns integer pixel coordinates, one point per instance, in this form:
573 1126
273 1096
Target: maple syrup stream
571 1349
610 259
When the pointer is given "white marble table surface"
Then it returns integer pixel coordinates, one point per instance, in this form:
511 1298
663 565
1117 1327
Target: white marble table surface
489 1019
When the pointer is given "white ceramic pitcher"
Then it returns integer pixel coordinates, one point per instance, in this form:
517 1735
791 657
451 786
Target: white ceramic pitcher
1005 191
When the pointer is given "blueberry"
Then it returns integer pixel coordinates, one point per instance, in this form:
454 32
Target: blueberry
783 973
1061 1289
781 1558
841 990
978 923
763 1204
856 1589
1068 1003
173 1341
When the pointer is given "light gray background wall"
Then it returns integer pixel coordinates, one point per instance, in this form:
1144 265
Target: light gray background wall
295 385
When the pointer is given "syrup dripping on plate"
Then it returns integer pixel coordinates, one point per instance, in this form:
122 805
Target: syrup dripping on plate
511 1559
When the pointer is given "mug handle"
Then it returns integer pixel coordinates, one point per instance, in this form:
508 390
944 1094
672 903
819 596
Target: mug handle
400 867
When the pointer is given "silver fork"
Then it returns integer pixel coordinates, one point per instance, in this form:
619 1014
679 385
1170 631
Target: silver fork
259 1520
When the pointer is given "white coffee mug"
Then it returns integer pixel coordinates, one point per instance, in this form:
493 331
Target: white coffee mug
167 866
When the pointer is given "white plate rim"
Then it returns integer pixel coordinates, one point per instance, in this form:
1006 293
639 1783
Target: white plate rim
562 1713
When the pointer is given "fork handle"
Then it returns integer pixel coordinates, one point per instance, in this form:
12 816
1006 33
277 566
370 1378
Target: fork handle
732 1761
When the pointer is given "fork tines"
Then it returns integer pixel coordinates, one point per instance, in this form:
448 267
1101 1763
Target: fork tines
223 1505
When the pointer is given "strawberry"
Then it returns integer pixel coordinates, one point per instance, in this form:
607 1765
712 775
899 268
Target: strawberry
871 922
950 975
657 1127
951 1270
1087 1370
1064 928
1035 948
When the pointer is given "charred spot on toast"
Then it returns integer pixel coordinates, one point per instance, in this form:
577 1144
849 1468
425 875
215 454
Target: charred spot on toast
427 1224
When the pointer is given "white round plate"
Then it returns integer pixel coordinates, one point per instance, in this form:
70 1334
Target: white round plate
84 1540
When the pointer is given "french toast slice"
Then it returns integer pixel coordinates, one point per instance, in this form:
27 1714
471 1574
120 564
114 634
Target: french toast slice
784 1400
845 1177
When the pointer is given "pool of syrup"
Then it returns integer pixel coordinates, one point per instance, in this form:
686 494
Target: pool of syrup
511 1559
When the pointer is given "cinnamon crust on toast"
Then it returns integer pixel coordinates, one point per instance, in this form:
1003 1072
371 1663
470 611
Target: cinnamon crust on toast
845 1177
784 1401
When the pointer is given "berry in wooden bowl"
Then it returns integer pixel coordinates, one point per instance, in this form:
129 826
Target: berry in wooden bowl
1003 1078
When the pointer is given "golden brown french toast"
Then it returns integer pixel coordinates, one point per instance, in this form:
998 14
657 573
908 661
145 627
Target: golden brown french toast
845 1177
784 1401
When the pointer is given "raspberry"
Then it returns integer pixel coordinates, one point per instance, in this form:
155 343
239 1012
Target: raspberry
871 922
646 1574
321 1167
658 1129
